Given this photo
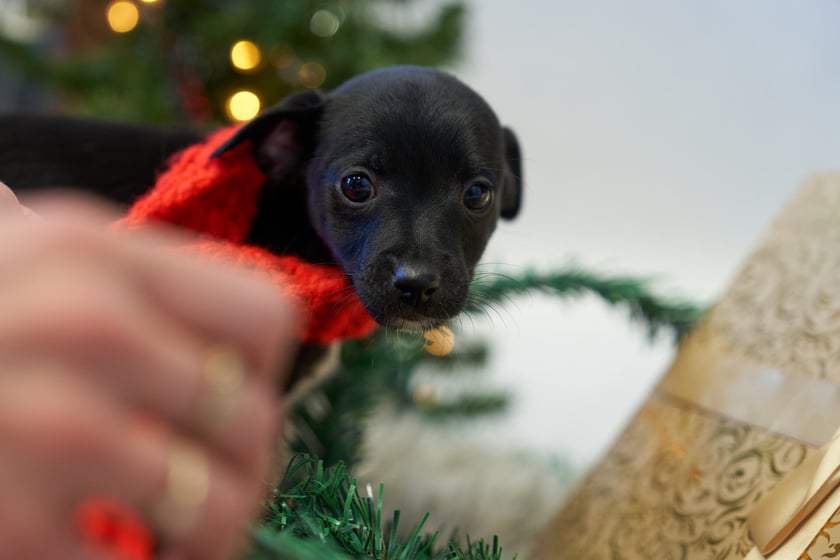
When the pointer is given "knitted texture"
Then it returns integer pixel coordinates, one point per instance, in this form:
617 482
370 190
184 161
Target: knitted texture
218 198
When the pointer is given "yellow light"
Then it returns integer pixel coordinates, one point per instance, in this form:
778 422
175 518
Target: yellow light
149 1
122 16
245 55
312 75
243 105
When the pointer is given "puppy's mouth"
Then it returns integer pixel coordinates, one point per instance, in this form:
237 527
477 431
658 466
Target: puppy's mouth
410 325
397 315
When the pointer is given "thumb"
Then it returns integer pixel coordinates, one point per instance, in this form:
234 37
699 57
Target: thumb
11 208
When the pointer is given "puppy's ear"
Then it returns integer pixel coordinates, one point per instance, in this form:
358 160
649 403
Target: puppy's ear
282 135
512 181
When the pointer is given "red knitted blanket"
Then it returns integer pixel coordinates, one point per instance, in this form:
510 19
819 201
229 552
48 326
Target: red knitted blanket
218 198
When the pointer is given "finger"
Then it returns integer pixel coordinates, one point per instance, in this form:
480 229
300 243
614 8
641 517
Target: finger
183 490
28 515
65 206
10 209
36 490
24 517
7 197
248 312
226 302
10 206
97 326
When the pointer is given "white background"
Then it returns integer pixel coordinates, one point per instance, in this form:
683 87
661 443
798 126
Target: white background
660 138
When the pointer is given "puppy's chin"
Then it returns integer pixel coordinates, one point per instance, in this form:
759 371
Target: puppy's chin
411 325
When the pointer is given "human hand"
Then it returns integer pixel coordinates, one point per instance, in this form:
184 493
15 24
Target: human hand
132 372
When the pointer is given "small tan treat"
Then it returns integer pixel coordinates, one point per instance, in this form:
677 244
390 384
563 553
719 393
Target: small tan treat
439 341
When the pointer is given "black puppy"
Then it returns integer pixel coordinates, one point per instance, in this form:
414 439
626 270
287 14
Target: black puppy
399 176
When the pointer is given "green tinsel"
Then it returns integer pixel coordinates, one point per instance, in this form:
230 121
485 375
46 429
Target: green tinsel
318 513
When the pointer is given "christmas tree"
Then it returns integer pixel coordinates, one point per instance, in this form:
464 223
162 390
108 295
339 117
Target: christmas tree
205 61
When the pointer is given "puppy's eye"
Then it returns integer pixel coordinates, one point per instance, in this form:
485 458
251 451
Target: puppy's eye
478 197
357 188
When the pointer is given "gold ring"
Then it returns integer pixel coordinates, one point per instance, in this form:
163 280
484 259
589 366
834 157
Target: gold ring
224 375
187 487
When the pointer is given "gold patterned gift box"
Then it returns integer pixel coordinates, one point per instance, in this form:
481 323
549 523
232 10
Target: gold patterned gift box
733 455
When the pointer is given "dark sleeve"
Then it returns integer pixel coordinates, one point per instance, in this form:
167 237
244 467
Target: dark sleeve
116 161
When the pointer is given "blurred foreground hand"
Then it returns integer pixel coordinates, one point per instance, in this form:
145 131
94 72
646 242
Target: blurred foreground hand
131 373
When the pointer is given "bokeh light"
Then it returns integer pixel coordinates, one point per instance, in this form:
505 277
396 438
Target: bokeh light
243 105
245 55
122 16
312 75
324 23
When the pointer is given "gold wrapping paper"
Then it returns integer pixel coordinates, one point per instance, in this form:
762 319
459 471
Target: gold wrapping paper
752 393
785 520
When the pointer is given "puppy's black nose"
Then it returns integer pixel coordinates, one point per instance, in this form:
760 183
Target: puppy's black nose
416 286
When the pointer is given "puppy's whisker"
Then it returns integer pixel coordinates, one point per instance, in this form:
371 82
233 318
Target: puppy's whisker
461 318
485 312
348 298
482 287
478 302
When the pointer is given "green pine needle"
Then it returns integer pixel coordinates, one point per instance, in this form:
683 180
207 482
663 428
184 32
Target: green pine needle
468 406
657 314
318 513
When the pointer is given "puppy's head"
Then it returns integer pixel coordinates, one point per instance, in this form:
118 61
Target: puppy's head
407 172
